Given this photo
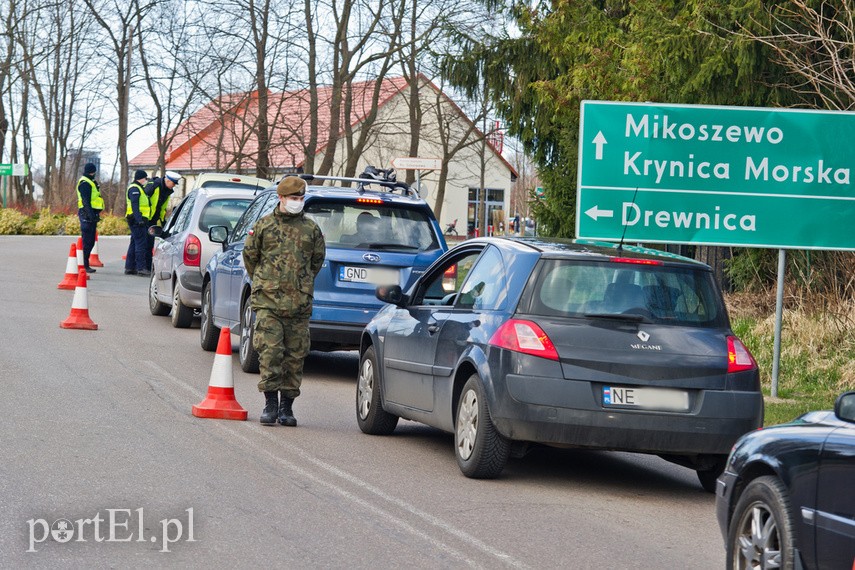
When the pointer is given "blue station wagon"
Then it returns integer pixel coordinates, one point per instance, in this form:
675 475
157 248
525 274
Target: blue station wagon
376 231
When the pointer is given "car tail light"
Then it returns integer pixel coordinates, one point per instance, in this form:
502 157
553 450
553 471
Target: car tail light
636 261
192 251
369 201
449 279
526 337
738 356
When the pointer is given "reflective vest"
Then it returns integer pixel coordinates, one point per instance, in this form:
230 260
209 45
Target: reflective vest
153 199
145 204
95 199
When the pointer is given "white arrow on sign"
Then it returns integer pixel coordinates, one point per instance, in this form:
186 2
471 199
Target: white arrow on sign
600 140
416 163
597 213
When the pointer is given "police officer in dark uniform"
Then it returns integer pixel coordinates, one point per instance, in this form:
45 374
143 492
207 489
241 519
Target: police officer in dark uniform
89 207
138 214
283 253
158 190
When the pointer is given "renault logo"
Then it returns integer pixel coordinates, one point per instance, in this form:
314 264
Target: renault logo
643 336
372 257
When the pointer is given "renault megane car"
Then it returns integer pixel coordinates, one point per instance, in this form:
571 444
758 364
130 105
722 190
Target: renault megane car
511 341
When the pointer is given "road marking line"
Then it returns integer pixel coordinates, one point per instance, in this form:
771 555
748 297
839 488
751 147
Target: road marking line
333 470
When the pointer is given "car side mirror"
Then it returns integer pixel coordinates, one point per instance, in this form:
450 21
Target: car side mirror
391 294
155 231
218 234
844 407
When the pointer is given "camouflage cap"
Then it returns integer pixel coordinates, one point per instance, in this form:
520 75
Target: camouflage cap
291 185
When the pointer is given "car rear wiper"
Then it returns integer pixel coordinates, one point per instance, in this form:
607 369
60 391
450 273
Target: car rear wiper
632 317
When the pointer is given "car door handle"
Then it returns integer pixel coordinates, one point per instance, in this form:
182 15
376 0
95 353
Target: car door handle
432 328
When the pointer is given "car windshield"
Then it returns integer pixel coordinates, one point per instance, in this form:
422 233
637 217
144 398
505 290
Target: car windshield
349 225
650 293
222 212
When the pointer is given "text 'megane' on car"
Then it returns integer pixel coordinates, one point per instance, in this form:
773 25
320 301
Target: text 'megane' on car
786 500
183 247
377 231
508 342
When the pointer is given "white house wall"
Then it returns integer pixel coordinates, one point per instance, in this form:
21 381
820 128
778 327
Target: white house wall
391 140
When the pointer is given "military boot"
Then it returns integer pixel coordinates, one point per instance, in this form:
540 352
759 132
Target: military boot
286 415
271 408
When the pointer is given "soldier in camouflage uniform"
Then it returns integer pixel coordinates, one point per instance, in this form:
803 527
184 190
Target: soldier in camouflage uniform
283 253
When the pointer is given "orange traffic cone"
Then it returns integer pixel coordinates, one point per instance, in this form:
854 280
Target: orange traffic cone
70 279
79 317
220 402
80 265
94 260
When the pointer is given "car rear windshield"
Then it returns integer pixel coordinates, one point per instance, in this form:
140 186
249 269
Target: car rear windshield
350 225
222 212
653 293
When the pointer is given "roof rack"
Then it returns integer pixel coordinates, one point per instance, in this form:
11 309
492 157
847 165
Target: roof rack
388 185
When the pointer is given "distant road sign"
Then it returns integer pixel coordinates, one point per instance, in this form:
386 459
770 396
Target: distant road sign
415 163
14 170
700 174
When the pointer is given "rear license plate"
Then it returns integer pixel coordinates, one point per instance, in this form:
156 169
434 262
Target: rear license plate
646 398
373 275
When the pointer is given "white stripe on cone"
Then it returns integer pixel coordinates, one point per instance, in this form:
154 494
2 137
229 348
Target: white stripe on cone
80 300
79 257
221 372
71 265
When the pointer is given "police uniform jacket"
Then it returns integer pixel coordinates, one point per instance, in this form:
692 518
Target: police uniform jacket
283 254
89 198
158 195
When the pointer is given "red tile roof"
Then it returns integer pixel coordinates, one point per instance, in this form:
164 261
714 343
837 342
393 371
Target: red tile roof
197 140
220 135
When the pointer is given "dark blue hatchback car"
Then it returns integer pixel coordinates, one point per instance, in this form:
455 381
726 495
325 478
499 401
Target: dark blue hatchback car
377 232
509 342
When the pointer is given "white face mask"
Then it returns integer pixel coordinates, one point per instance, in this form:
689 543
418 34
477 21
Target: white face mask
293 206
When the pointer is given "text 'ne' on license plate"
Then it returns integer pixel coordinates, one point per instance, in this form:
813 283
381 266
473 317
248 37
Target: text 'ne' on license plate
374 275
646 398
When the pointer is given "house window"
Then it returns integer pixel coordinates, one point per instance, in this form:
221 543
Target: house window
495 201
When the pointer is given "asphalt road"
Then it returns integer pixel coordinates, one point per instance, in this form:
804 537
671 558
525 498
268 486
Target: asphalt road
97 424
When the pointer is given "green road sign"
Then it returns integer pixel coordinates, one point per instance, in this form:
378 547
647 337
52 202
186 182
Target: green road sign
14 170
716 175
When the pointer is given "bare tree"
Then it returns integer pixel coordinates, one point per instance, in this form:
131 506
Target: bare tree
57 62
116 20
815 42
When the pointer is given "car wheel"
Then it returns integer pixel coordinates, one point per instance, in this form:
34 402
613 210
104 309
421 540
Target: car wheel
182 315
708 476
761 529
248 354
209 333
154 305
481 451
370 415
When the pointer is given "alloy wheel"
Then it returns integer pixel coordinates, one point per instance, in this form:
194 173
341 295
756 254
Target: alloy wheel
246 332
467 424
365 388
758 540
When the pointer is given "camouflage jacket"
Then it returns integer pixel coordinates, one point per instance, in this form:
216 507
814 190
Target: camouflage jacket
282 255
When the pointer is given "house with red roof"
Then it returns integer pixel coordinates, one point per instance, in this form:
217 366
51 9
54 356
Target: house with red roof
222 137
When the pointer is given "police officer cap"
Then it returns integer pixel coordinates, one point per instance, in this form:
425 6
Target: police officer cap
89 169
291 186
172 175
139 175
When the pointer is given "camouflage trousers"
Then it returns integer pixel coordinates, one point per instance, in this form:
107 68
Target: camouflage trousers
282 344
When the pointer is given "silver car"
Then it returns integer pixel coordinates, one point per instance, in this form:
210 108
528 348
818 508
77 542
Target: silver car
182 246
